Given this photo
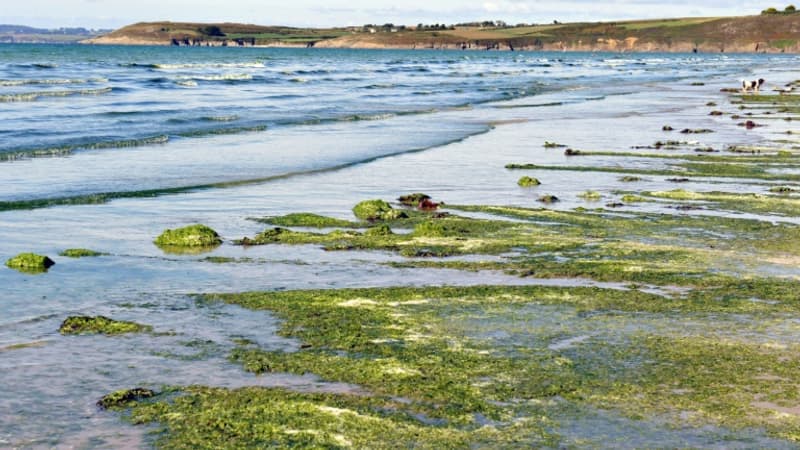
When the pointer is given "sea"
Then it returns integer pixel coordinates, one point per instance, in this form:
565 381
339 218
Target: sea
104 147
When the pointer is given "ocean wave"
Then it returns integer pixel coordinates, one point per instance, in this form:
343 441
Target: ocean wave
186 83
33 96
29 82
230 118
164 66
221 77
66 150
223 131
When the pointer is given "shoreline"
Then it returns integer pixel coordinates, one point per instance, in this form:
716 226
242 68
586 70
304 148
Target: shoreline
612 46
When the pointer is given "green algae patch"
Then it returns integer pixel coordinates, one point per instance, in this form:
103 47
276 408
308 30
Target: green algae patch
379 230
80 253
198 235
277 418
459 356
527 181
74 325
30 263
307 220
124 398
373 210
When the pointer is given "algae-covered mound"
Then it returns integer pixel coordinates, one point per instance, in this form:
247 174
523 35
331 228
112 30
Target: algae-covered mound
192 236
99 325
30 262
124 397
527 181
377 210
79 253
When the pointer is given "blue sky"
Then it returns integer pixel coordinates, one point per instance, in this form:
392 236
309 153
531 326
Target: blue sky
115 13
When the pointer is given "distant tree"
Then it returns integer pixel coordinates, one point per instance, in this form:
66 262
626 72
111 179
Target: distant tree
770 11
212 30
790 9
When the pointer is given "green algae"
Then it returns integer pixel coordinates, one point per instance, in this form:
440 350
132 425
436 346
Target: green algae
696 167
80 253
197 235
407 348
124 398
307 220
74 325
30 263
749 202
379 230
527 181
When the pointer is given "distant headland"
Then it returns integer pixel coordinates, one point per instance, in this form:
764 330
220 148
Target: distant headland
774 31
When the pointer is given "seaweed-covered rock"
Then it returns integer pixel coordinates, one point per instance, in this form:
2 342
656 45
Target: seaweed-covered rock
667 128
413 199
696 131
79 253
380 230
192 236
590 195
124 397
528 182
572 152
30 262
99 325
630 179
377 210
548 199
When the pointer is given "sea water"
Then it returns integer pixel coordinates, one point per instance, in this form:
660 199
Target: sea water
105 147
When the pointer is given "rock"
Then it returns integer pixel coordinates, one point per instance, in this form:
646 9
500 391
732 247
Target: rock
590 196
373 210
629 179
548 144
79 253
571 152
528 182
413 199
548 199
192 236
122 398
750 125
30 262
667 128
678 180
716 113
615 205
428 205
697 131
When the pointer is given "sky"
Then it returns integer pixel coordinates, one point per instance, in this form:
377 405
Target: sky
318 13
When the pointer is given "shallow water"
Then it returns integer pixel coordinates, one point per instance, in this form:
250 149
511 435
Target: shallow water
339 130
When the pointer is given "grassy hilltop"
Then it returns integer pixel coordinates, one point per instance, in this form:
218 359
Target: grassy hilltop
773 33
